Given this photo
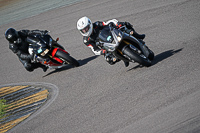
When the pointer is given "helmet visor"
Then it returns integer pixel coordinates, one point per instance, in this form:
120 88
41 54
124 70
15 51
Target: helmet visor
86 29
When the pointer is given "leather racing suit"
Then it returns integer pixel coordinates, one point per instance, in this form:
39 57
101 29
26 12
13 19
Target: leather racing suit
20 48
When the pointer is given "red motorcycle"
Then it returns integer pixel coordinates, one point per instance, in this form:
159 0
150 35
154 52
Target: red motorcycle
48 52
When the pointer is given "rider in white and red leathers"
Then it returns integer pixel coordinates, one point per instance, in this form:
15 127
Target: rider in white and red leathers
90 32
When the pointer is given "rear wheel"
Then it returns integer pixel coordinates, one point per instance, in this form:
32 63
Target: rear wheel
141 59
67 58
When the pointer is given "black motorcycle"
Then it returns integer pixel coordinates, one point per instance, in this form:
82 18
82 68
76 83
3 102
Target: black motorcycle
49 52
124 46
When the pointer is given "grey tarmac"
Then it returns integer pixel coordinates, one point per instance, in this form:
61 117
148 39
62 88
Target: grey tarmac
99 98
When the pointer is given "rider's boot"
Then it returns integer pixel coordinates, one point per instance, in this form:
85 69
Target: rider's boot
139 36
136 35
44 68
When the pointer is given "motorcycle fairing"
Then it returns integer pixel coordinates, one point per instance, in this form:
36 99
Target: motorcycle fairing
105 35
47 61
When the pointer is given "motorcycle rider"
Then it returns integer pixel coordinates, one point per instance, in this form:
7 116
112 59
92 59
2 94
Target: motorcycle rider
19 46
90 32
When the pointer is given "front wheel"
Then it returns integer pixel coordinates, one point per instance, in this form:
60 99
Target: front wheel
67 58
141 59
151 54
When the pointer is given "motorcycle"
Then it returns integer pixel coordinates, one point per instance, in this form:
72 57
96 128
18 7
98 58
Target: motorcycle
48 52
124 46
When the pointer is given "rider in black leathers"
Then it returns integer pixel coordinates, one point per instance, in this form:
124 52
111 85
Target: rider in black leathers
90 32
19 46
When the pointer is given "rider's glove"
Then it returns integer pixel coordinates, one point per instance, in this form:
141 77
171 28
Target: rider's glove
111 24
46 32
99 44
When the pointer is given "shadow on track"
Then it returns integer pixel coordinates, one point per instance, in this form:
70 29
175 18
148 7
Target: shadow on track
160 57
165 55
85 61
82 62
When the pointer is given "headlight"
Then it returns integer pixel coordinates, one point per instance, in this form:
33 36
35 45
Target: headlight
119 38
39 50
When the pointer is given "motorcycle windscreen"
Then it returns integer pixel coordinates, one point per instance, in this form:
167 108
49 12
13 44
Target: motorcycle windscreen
37 44
45 39
105 35
45 42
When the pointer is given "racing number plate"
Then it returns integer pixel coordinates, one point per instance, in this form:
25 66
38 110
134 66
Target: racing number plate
45 52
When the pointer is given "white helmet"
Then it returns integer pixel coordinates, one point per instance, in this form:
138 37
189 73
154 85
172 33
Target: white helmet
85 26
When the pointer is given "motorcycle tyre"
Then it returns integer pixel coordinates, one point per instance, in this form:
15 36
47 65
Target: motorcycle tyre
137 58
151 55
68 58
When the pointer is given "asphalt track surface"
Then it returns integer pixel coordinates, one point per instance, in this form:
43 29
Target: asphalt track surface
99 98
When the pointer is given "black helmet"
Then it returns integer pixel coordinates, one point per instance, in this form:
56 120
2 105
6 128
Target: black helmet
11 35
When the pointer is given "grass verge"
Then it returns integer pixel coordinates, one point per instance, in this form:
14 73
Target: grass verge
2 107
